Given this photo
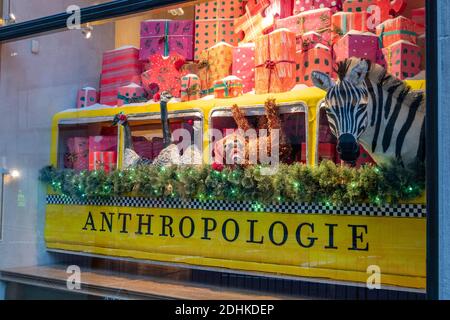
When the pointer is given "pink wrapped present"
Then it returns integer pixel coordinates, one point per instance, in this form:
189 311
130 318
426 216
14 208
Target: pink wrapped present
120 68
403 59
280 8
102 143
310 39
357 44
396 29
418 16
77 156
165 36
132 93
305 5
244 65
100 160
86 97
343 22
318 20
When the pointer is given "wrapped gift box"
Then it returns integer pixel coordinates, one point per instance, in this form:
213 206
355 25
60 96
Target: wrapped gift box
318 58
86 97
310 39
357 44
403 59
106 161
102 143
132 93
228 87
164 74
396 29
280 8
244 65
343 22
306 5
78 153
215 64
418 16
190 87
422 43
166 36
256 20
318 20
275 56
214 22
120 67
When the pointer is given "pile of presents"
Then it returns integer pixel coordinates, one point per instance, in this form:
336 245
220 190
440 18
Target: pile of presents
234 47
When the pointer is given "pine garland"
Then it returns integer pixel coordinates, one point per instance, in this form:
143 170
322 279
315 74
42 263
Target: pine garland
327 183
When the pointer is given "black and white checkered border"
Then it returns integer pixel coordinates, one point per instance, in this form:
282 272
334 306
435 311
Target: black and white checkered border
401 210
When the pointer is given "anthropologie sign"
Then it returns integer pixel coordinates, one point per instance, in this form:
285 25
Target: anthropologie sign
338 246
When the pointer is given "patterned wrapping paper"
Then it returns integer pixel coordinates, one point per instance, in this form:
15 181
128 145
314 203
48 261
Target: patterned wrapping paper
305 5
422 43
229 87
396 29
343 22
86 97
418 16
77 157
166 36
214 23
318 58
403 59
120 67
255 21
100 160
275 62
379 10
244 65
102 143
357 44
280 8
315 20
310 39
190 87
132 93
164 75
215 64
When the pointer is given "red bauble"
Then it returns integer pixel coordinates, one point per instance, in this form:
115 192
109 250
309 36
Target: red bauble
190 122
217 166
179 64
157 97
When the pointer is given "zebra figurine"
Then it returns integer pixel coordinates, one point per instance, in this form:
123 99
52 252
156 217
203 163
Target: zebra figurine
368 106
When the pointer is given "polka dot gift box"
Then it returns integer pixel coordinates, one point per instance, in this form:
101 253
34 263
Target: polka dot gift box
86 97
357 44
403 59
244 65
305 5
214 23
318 58
132 93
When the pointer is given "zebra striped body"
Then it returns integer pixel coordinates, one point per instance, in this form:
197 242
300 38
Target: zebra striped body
376 110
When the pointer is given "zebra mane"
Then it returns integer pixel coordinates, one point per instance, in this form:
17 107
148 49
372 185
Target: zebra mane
378 75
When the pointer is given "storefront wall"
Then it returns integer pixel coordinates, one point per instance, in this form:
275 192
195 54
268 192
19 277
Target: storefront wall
33 88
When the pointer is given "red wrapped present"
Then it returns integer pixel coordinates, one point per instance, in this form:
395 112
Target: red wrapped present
165 74
396 29
306 5
102 143
275 62
120 68
165 36
77 156
379 10
253 23
422 43
86 97
403 59
327 151
190 87
318 20
132 93
143 147
357 44
99 160
244 65
214 23
343 22
310 39
418 16
280 8
229 87
318 58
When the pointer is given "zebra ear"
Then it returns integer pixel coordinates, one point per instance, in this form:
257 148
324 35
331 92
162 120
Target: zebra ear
358 73
322 80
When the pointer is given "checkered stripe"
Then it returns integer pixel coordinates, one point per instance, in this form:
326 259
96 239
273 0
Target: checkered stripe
401 210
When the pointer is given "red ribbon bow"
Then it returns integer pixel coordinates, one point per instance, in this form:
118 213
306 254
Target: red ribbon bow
269 64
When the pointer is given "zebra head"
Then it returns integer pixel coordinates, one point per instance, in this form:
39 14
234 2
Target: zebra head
346 107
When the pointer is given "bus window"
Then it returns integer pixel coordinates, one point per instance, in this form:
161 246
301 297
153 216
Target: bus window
87 146
293 122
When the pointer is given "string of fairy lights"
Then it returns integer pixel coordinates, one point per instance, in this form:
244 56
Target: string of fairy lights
328 184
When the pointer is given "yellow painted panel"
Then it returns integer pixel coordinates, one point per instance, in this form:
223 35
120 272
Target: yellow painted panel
289 245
